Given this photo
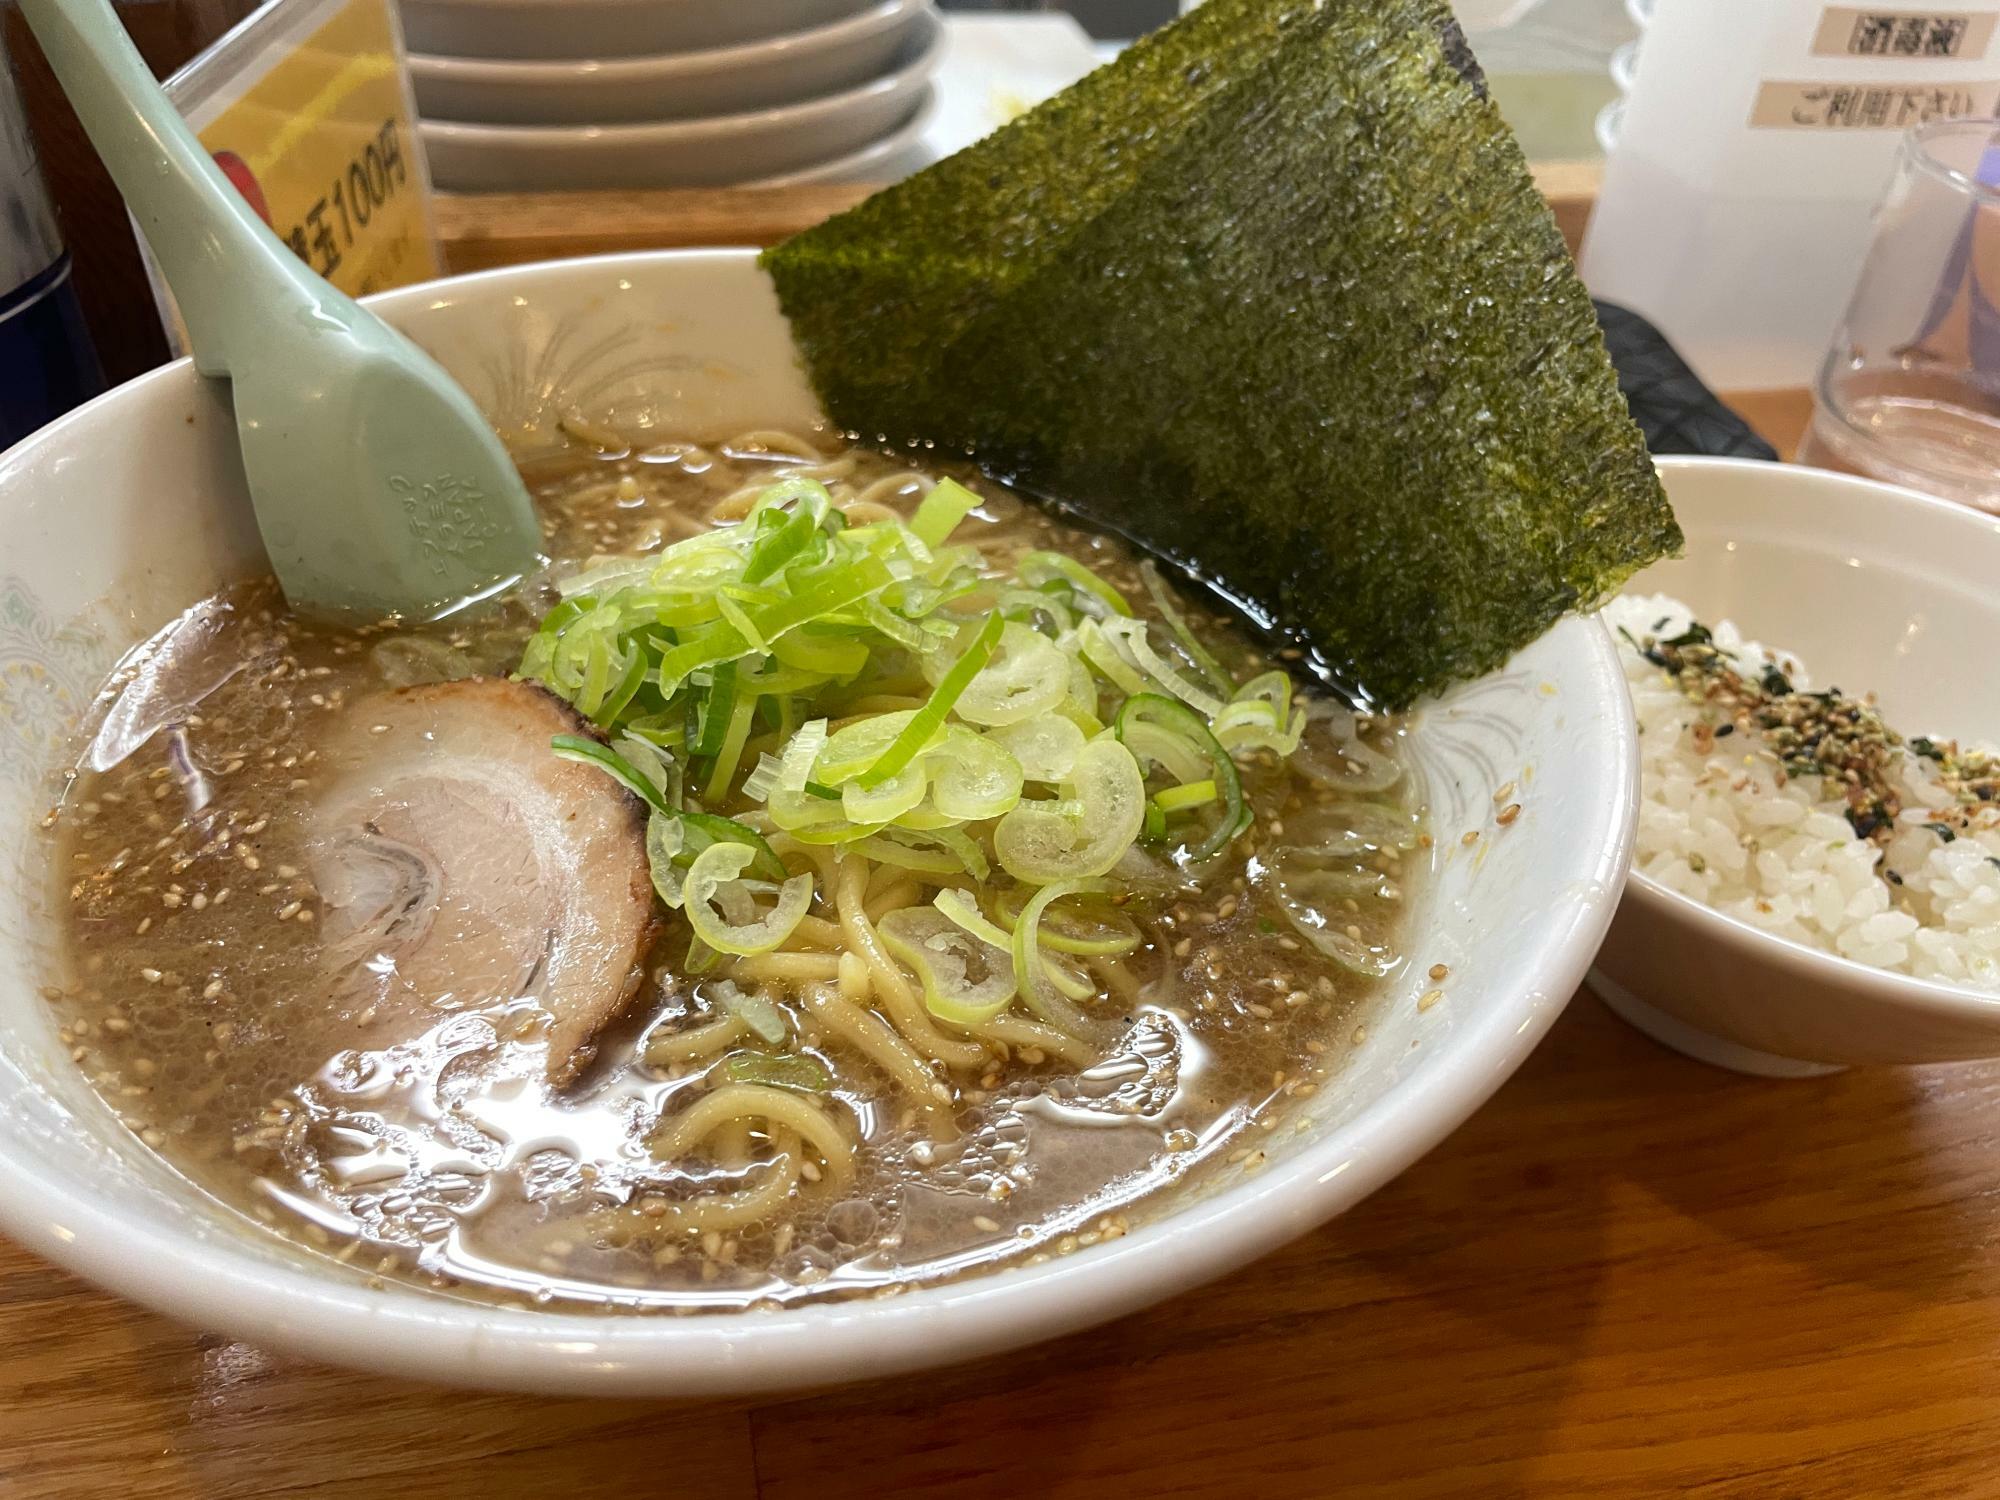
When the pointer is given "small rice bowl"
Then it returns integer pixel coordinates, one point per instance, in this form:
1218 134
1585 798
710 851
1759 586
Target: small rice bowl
1721 822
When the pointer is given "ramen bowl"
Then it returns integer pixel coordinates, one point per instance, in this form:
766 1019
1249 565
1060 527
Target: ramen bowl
120 516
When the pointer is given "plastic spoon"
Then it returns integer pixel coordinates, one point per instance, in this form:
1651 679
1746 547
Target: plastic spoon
378 486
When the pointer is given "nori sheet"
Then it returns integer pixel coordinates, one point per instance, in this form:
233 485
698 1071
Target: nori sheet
1274 295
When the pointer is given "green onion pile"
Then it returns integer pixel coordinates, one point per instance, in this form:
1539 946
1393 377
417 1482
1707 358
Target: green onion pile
1053 730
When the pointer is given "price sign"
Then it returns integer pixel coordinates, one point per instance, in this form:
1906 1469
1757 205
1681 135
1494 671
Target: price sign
307 109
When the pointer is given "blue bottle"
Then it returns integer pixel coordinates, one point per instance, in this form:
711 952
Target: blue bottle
47 362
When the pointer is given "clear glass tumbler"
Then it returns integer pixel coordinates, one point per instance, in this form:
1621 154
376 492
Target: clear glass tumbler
1910 390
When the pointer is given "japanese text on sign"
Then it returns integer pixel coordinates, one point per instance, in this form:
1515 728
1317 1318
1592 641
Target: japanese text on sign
1845 31
1868 106
372 178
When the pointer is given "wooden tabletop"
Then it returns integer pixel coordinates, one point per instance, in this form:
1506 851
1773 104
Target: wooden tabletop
1630 1274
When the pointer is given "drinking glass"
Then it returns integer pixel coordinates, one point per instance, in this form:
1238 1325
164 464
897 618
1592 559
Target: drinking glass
1910 390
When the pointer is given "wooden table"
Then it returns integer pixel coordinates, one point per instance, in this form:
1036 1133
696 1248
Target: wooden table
1629 1274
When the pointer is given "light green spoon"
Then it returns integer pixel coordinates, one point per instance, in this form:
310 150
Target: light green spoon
378 486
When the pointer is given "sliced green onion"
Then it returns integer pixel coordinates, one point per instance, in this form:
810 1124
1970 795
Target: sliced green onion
778 1070
939 512
763 778
854 747
904 632
1045 748
972 778
665 835
712 714
591 753
622 692
1102 653
757 1012
1029 974
739 619
1041 846
1134 642
1025 677
781 546
711 876
929 719
1260 717
945 959
718 643
1039 568
965 913
1094 934
730 753
700 830
885 801
841 586
1181 798
1161 731
1036 604
932 851
796 763
646 759
814 499
1163 601
836 656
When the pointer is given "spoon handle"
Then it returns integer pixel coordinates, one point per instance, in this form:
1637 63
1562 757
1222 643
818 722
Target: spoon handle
222 261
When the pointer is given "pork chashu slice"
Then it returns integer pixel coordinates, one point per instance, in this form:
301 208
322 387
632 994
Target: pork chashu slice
462 864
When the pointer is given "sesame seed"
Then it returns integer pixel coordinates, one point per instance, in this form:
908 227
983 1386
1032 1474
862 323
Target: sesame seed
980 1221
1471 836
1430 998
1439 971
1508 814
151 976
1503 794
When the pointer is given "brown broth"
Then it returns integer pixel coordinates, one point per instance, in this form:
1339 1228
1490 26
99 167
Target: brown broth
196 997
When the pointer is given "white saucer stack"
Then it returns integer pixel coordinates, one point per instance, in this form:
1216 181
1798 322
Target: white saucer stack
544 95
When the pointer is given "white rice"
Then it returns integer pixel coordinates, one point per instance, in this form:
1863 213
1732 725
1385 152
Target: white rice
1721 829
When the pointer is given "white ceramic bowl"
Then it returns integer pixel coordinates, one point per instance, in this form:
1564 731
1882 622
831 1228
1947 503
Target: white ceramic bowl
1873 587
713 152
121 514
786 69
604 28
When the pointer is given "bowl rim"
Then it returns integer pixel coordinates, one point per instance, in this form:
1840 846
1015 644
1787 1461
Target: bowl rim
1832 970
296 1303
666 67
905 79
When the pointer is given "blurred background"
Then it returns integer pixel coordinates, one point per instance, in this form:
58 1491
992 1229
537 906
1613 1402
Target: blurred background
1549 61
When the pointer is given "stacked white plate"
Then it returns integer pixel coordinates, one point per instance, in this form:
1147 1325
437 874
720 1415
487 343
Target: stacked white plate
544 95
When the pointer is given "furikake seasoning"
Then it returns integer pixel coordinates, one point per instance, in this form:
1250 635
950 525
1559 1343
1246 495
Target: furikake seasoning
1827 734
